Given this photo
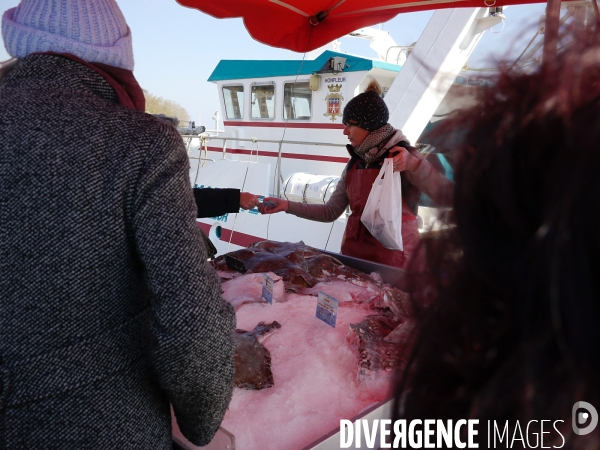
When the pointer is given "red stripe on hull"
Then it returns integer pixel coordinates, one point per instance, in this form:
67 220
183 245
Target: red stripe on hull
241 239
239 151
320 126
205 227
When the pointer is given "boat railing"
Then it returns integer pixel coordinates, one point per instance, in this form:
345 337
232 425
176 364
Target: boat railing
255 141
406 48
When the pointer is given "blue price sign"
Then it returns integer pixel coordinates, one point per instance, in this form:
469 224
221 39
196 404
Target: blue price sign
327 309
267 288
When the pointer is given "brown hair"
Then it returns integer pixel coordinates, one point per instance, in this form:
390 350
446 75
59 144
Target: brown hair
514 332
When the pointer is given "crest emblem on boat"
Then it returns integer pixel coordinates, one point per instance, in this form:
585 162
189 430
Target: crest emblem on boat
334 101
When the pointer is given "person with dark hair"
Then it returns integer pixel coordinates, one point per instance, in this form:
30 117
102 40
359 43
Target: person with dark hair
372 139
513 336
110 314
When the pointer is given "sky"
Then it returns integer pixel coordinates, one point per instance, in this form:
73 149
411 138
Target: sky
176 48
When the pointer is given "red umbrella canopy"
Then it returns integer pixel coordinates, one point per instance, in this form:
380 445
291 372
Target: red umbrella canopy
304 25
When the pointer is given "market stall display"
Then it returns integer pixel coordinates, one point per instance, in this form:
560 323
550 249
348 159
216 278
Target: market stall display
322 368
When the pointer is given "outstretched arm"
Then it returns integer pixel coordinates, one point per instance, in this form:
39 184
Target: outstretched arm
213 202
328 212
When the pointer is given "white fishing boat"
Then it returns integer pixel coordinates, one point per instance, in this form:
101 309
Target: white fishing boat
281 127
282 123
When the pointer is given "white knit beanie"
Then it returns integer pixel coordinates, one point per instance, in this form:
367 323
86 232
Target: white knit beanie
93 30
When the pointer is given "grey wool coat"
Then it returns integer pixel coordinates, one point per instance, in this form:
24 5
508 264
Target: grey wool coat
109 311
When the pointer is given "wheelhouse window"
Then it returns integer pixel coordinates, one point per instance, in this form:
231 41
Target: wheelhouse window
234 101
297 99
263 101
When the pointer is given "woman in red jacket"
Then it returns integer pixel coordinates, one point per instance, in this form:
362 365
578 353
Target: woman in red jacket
372 139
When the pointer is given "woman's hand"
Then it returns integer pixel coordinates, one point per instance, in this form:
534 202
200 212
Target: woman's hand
248 200
271 205
403 160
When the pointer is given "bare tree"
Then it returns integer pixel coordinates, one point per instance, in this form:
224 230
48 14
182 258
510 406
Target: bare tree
160 105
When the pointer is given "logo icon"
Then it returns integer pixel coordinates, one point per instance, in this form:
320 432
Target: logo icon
584 413
334 101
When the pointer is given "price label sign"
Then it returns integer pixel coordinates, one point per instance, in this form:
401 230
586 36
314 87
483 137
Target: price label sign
267 288
327 309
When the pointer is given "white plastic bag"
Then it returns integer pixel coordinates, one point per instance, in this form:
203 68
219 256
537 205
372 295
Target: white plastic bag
383 212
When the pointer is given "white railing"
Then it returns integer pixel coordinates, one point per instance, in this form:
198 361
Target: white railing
279 178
